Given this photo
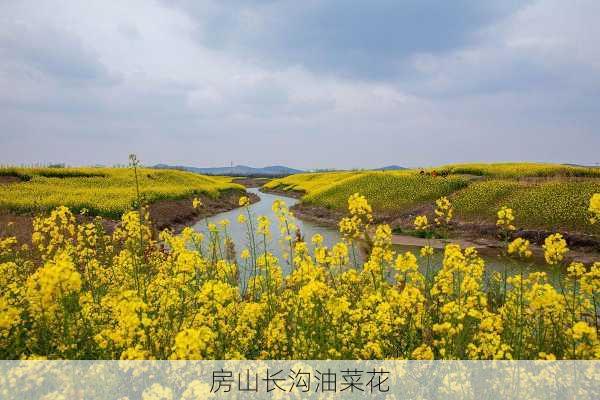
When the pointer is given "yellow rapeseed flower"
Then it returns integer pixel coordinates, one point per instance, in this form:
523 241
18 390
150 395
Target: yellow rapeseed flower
426 251
245 254
421 223
79 292
423 352
506 218
443 211
520 247
555 248
317 239
594 208
196 203
193 344
244 201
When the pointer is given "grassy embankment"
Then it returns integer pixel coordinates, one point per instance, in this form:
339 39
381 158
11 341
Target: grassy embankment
543 196
108 192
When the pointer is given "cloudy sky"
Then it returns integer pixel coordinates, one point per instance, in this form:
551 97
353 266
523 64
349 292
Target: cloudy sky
311 83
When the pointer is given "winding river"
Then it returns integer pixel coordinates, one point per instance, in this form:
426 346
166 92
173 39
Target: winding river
263 207
330 235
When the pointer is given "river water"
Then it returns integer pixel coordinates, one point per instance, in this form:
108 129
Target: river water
330 235
263 207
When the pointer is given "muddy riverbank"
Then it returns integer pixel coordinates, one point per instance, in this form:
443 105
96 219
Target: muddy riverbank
176 214
295 194
584 248
164 214
251 182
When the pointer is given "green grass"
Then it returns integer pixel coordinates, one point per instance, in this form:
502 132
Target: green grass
107 192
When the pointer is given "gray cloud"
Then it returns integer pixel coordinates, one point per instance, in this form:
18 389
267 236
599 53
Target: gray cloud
51 51
368 40
310 84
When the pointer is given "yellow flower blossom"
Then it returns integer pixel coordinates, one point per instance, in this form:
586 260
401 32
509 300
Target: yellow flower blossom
520 247
443 211
506 218
244 201
358 205
193 344
264 226
555 248
245 254
426 251
196 203
317 239
594 208
58 278
421 223
423 352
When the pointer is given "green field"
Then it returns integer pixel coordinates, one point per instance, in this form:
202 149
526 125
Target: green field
543 196
103 191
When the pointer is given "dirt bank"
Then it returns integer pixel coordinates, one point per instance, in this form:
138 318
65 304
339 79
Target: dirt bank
9 179
476 230
493 247
584 248
296 194
251 182
319 215
327 216
174 214
19 226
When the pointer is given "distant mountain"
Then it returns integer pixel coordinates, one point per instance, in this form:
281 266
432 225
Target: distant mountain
390 168
238 170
